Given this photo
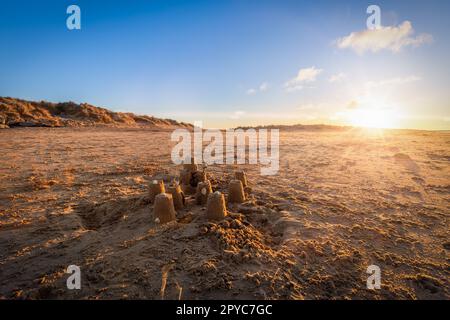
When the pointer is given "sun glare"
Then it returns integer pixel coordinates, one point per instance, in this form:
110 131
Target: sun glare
372 115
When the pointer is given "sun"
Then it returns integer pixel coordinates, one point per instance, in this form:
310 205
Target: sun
371 118
375 114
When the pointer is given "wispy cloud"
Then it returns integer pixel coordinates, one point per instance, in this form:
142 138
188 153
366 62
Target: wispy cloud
251 92
237 114
263 87
337 77
392 38
303 77
392 81
311 106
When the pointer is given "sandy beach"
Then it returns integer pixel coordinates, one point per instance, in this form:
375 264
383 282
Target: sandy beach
343 200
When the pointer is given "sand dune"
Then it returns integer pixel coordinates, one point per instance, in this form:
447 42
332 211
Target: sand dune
343 200
21 113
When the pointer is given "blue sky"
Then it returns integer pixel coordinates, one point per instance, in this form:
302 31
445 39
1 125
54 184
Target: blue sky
235 62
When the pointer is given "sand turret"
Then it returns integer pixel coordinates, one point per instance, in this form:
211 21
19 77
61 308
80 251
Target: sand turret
156 187
240 175
164 210
191 167
190 177
177 196
202 193
236 192
215 207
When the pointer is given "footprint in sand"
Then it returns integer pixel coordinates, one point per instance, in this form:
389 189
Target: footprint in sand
406 162
418 180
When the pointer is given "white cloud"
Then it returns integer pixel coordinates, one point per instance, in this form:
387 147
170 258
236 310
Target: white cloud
263 87
392 82
337 77
384 38
304 76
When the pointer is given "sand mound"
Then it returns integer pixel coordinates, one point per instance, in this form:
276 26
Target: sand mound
22 113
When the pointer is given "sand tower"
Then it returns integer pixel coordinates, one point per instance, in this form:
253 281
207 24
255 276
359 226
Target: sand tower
197 177
215 207
156 187
240 175
236 192
203 190
190 167
185 177
190 177
164 210
177 196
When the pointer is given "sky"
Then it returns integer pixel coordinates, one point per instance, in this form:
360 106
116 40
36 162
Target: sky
232 63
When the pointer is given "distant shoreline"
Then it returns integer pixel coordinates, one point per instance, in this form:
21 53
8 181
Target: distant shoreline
19 113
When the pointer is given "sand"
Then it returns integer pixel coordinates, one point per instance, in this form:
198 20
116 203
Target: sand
343 200
22 113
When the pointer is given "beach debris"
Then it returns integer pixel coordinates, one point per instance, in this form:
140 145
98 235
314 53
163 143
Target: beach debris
215 206
164 209
236 192
164 275
203 190
180 290
179 200
240 175
156 187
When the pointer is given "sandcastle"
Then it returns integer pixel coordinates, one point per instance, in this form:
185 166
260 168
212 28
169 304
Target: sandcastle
198 176
215 207
190 176
190 167
186 173
177 195
156 187
167 200
240 175
164 210
236 192
203 190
